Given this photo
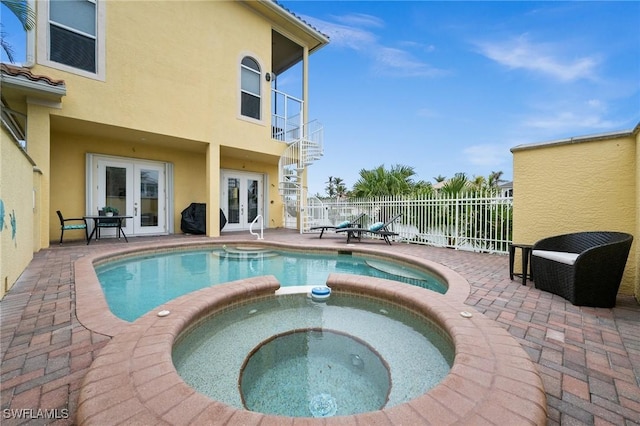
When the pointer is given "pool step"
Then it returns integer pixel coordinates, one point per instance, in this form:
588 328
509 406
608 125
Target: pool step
245 253
394 270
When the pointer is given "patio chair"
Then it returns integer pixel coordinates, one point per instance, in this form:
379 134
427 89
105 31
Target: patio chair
584 267
353 223
379 228
107 222
69 225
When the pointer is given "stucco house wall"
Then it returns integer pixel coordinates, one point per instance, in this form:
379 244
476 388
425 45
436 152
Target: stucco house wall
580 184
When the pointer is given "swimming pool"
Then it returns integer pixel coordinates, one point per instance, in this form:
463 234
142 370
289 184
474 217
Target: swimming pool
135 285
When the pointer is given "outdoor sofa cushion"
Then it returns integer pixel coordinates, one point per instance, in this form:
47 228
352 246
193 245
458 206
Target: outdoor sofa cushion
558 256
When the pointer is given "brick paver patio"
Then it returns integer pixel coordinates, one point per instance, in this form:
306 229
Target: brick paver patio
588 358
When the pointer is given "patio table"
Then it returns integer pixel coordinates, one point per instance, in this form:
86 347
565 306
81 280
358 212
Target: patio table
119 218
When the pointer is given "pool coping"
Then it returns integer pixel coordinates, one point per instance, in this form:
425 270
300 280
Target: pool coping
133 380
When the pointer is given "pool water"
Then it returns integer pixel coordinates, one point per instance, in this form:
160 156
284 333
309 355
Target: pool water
320 367
363 354
136 285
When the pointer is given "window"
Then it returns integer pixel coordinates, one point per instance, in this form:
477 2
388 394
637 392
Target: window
73 33
250 88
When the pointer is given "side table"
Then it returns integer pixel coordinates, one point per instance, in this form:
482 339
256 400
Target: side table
526 256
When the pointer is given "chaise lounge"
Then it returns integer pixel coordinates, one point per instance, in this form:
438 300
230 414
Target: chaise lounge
379 228
354 223
584 267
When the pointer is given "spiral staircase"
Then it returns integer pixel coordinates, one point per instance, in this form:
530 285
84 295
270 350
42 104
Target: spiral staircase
301 152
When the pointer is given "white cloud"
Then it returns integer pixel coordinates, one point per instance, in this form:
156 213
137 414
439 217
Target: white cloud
546 58
574 117
387 60
360 20
568 121
344 35
394 61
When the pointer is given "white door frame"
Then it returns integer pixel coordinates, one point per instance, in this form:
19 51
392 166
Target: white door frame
134 194
237 219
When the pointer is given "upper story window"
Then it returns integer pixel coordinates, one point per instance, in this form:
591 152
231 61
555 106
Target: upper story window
73 33
250 88
71 36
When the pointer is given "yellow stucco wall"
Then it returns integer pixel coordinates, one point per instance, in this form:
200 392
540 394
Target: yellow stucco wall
68 155
68 158
17 211
162 80
578 185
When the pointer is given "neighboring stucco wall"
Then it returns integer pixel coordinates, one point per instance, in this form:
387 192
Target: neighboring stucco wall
583 184
16 211
637 234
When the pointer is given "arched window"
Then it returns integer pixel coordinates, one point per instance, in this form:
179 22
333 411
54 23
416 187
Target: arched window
250 88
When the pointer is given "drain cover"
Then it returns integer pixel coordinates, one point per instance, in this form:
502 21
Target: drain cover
323 405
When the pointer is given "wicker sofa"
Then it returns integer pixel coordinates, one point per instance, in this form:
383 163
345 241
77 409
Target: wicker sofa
584 267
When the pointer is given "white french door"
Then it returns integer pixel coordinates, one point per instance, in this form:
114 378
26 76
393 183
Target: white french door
241 198
136 188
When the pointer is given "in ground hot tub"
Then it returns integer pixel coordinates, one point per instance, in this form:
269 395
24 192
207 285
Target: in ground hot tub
291 355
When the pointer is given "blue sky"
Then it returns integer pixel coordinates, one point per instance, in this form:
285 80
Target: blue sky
447 87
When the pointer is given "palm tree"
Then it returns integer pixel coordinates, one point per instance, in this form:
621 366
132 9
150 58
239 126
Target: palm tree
440 178
341 188
27 17
457 185
495 179
381 182
331 187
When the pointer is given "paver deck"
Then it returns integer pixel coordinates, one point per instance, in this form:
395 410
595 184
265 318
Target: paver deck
588 358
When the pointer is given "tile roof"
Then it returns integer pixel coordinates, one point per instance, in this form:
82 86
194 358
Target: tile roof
22 72
299 18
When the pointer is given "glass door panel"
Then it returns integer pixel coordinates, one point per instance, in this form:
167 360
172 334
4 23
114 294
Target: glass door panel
148 198
148 201
233 201
116 188
252 200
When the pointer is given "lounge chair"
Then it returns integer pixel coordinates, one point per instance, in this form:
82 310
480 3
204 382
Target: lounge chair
354 223
67 225
379 228
584 267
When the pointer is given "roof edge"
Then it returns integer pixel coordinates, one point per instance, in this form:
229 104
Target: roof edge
578 139
275 7
22 78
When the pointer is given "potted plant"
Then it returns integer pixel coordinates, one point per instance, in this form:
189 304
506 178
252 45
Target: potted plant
110 211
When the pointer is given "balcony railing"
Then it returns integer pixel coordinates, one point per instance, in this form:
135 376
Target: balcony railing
286 117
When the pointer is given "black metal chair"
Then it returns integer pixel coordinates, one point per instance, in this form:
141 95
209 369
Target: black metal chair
106 223
68 225
583 267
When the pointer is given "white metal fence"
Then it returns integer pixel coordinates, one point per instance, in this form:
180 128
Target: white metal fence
477 222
